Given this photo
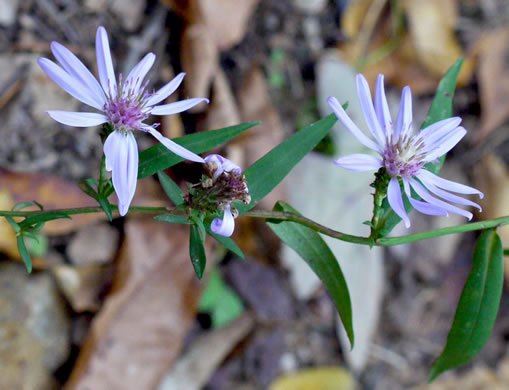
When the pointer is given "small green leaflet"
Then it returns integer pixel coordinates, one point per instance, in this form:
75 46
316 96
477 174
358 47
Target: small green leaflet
478 306
227 242
315 252
171 189
23 251
266 173
158 157
197 251
441 108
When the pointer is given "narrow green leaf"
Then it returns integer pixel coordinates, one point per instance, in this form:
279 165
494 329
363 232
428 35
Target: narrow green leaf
14 224
441 108
23 251
478 306
170 218
316 253
36 242
266 173
106 206
50 216
197 251
171 189
87 189
227 242
218 299
21 205
158 157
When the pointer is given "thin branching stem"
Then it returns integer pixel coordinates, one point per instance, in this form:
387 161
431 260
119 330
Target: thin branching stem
290 217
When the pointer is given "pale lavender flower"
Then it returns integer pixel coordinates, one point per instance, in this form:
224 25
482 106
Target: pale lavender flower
228 185
404 154
225 226
124 104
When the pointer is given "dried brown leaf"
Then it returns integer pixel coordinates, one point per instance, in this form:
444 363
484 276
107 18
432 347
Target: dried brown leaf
431 26
140 329
493 80
223 110
492 178
52 192
235 12
199 59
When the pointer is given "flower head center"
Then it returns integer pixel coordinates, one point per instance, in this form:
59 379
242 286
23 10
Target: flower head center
405 157
125 108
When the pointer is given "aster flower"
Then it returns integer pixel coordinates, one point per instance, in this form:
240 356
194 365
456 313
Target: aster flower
404 155
124 104
228 184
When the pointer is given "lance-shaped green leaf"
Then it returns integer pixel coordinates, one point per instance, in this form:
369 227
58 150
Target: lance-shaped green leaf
441 108
106 206
171 189
316 253
227 242
197 251
21 205
266 173
478 306
40 218
158 157
23 251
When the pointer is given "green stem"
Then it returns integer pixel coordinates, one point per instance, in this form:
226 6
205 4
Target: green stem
285 216
82 210
290 217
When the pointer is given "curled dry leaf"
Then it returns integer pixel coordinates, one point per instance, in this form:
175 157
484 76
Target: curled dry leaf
139 331
52 192
493 80
492 178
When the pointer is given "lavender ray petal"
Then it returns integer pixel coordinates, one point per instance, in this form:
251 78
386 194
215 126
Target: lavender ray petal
78 119
396 200
352 127
404 119
445 144
448 196
68 83
119 173
424 194
132 170
438 130
368 110
225 226
359 162
175 108
136 76
75 68
382 107
104 62
110 149
166 91
448 184
174 147
423 207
